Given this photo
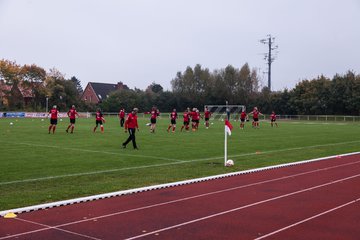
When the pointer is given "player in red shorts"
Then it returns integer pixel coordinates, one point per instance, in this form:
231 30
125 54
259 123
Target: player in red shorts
255 114
153 116
186 117
173 117
273 119
131 125
99 120
54 114
242 119
72 113
122 117
207 115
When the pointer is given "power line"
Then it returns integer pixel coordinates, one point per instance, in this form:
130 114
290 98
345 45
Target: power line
269 57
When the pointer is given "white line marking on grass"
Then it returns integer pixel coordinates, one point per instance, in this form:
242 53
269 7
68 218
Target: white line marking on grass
164 164
243 207
87 173
300 148
95 151
187 198
308 219
320 123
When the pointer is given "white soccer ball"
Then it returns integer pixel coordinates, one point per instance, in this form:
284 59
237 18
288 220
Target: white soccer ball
229 163
11 123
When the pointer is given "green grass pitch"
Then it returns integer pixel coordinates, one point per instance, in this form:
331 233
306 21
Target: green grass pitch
37 167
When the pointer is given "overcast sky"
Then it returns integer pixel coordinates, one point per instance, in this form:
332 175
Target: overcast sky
140 42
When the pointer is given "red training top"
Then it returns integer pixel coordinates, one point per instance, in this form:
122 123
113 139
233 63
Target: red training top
131 121
173 115
99 116
122 113
207 114
273 116
186 117
195 115
72 113
242 115
54 113
154 114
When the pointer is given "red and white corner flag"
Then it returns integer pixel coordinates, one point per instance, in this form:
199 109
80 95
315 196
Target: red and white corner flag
228 128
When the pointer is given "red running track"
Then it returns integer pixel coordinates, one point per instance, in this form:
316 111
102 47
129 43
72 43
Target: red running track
317 200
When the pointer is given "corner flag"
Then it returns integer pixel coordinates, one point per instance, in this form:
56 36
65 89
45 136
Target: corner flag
228 128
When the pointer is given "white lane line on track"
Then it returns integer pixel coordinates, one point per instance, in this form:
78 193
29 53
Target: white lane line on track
176 162
184 199
308 219
49 228
240 208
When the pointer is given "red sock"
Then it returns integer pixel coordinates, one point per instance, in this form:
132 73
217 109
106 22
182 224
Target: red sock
94 129
50 128
173 129
54 129
102 129
72 129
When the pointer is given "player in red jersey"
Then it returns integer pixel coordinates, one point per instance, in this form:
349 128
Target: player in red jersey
130 125
242 119
72 113
153 116
207 115
194 119
255 114
99 120
273 119
122 117
54 114
173 117
186 117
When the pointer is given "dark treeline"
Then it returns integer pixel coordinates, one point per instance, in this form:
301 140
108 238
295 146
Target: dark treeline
194 87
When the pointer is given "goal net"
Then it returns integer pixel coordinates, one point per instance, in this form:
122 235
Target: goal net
221 112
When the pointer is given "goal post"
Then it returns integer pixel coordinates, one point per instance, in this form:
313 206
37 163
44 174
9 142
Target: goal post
220 112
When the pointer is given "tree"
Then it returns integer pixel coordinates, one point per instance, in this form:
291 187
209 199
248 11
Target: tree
155 88
127 99
33 78
11 75
77 84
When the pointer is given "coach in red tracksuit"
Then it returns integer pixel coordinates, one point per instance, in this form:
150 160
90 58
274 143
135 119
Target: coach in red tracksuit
131 125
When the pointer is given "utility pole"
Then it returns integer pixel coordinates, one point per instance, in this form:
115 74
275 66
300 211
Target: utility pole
269 57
